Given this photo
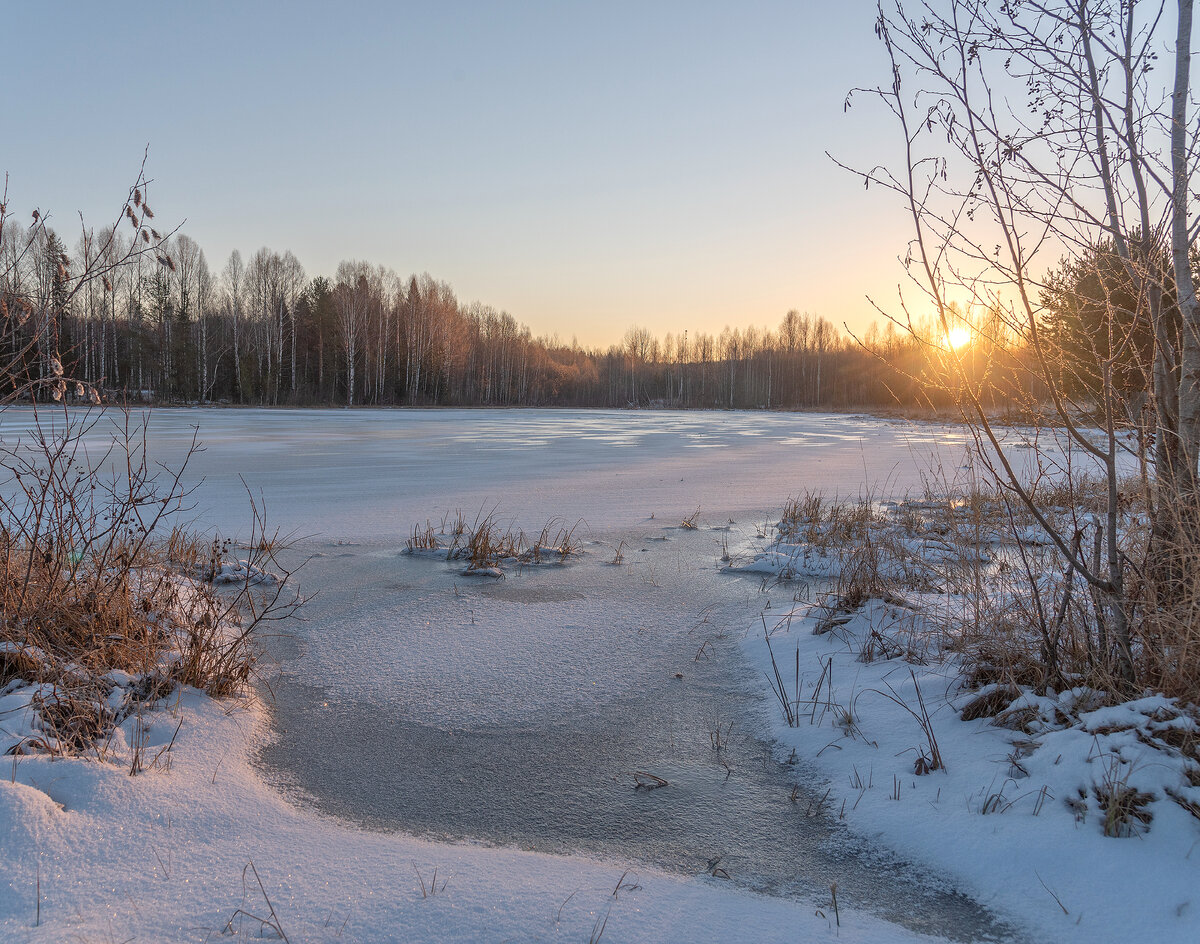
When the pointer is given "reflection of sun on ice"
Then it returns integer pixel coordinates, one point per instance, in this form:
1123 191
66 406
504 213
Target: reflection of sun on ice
957 336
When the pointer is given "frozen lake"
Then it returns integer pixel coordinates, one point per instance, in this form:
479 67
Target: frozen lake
514 711
369 475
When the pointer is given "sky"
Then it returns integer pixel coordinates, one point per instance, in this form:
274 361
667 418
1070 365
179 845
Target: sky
583 166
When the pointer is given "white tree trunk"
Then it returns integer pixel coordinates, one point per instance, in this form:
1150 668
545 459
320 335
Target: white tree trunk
1189 306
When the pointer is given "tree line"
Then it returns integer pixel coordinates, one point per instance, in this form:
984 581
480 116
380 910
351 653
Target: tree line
165 326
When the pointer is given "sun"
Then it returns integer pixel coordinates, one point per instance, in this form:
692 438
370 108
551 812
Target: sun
957 336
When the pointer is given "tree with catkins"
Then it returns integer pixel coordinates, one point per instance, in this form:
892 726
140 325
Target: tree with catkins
42 282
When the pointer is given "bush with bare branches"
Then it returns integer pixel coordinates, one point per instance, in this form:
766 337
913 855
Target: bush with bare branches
100 588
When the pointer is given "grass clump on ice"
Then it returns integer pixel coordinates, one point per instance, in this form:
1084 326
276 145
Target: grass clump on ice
487 544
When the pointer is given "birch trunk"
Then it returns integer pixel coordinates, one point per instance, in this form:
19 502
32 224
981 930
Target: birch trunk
1189 306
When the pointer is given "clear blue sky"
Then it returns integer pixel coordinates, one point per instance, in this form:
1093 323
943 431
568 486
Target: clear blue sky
585 166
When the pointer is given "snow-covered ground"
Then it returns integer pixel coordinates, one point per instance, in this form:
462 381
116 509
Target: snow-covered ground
163 856
1016 819
1080 818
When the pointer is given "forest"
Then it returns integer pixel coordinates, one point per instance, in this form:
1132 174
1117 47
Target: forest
164 326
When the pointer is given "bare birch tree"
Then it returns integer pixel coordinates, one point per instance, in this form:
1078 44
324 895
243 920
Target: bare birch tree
352 301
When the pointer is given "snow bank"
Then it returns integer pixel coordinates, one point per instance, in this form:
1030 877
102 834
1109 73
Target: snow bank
1017 816
163 856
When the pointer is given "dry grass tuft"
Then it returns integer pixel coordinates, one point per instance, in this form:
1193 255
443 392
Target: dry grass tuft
1126 810
73 721
422 539
18 666
990 703
1191 806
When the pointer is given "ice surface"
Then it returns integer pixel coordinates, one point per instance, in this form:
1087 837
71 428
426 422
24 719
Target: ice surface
516 712
368 476
551 681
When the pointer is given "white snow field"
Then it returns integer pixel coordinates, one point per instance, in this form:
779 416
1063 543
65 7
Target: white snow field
429 720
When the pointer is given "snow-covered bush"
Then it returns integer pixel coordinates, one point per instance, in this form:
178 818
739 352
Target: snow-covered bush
105 603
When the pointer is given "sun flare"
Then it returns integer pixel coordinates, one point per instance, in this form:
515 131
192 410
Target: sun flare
957 336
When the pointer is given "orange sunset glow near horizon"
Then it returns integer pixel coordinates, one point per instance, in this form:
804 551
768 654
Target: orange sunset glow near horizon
544 160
